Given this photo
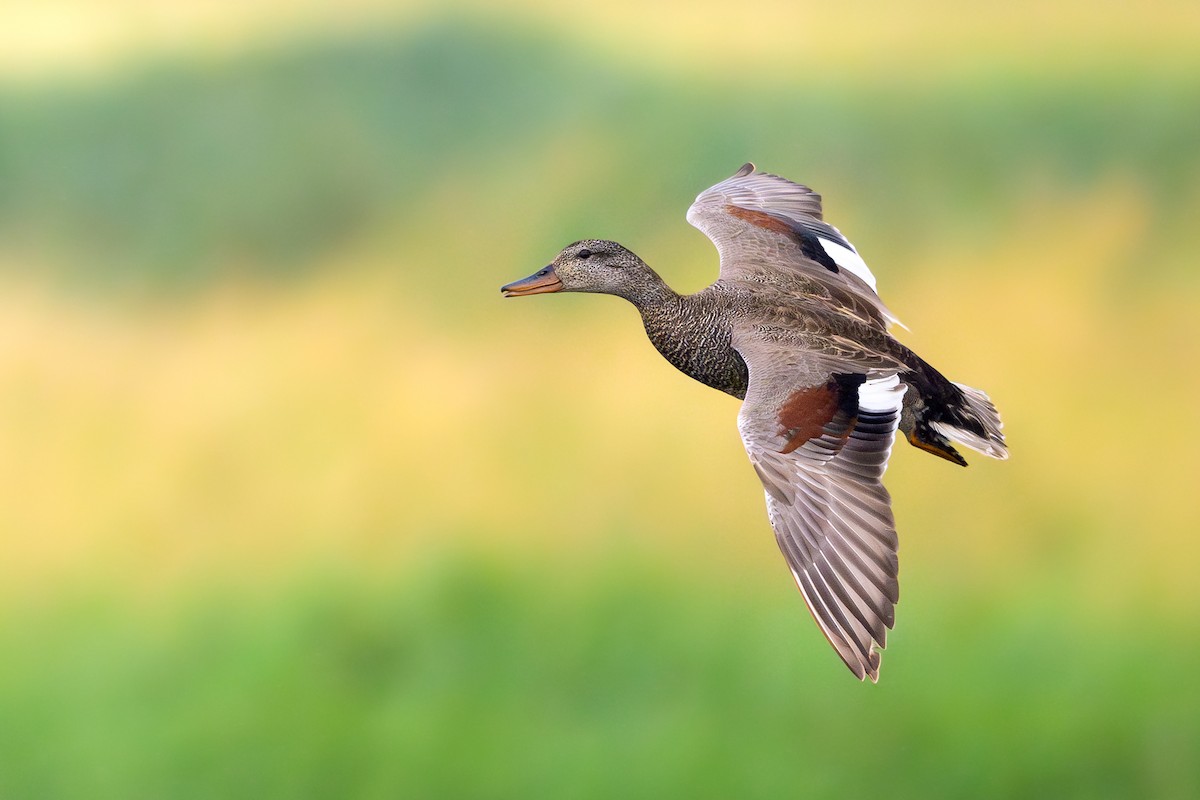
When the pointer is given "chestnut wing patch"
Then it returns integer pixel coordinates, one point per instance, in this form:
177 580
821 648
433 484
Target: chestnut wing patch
824 415
803 235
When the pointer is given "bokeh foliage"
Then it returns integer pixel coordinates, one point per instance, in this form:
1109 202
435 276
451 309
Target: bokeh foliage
299 507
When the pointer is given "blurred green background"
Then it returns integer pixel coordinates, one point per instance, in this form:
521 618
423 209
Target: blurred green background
296 506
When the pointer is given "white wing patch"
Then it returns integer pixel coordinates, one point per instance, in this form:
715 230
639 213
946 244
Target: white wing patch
881 395
848 260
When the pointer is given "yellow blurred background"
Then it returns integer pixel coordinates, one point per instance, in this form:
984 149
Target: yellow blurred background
297 505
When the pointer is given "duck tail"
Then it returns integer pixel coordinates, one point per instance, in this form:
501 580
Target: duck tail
972 422
940 412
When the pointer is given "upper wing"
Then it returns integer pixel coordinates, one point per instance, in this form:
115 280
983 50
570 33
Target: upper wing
768 229
820 444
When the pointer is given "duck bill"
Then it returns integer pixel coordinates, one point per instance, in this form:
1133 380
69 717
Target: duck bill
541 282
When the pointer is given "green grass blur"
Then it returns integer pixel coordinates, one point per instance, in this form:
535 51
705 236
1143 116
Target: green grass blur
297 506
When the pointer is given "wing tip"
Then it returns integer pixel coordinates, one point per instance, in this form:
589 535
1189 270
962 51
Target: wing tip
870 669
848 650
865 669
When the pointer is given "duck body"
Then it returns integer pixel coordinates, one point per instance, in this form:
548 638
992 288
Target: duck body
694 334
794 328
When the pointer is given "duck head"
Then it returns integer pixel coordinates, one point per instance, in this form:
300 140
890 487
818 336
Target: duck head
590 265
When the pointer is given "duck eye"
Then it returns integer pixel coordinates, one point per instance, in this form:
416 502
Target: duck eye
584 254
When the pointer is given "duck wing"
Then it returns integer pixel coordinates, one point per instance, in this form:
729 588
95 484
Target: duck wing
819 428
768 229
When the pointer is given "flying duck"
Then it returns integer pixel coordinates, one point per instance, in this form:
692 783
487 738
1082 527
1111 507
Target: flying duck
794 328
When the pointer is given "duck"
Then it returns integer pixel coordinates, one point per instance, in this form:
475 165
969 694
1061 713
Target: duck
794 328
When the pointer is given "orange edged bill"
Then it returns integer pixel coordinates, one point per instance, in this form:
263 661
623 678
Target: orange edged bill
543 281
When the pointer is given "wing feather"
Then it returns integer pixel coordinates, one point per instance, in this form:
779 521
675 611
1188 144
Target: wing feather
827 503
768 229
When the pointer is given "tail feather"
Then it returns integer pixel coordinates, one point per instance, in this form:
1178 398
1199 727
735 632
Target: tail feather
973 422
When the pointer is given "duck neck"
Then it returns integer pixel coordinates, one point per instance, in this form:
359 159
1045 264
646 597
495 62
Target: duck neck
650 293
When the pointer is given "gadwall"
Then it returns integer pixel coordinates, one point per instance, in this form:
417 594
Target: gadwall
794 328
